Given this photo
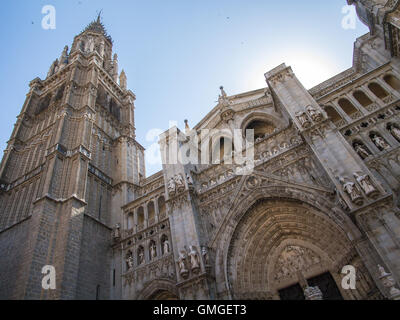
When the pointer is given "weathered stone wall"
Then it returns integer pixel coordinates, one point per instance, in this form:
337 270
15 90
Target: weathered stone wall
94 262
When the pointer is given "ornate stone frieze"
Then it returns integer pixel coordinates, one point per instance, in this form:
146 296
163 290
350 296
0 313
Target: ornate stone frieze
294 258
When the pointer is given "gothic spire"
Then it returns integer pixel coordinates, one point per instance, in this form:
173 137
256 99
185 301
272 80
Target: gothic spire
97 26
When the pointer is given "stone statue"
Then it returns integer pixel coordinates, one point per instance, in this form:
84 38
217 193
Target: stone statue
166 246
117 231
314 114
223 97
303 119
361 150
223 93
153 251
179 182
141 256
351 189
182 264
204 254
380 143
194 259
171 186
129 260
395 132
365 183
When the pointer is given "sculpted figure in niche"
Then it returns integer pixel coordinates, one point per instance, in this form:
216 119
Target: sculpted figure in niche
182 264
351 189
117 231
361 150
194 258
395 132
153 251
141 256
204 254
380 143
129 260
166 246
365 183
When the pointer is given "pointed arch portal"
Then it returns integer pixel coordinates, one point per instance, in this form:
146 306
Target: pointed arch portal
281 244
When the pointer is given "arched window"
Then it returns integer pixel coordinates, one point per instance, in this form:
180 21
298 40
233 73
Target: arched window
377 90
347 107
380 142
362 98
261 128
161 207
151 212
333 114
392 81
140 218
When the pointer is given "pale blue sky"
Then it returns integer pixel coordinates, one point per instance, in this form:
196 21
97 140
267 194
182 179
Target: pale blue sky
177 53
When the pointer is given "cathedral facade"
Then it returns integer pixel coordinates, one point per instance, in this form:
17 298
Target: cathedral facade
322 195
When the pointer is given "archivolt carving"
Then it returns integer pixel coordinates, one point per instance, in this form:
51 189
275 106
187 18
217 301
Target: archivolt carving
293 259
262 219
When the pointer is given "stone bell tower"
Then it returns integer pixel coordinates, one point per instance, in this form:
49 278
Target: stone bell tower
72 161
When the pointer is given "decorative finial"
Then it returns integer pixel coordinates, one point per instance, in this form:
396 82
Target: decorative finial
123 80
223 93
99 16
187 128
